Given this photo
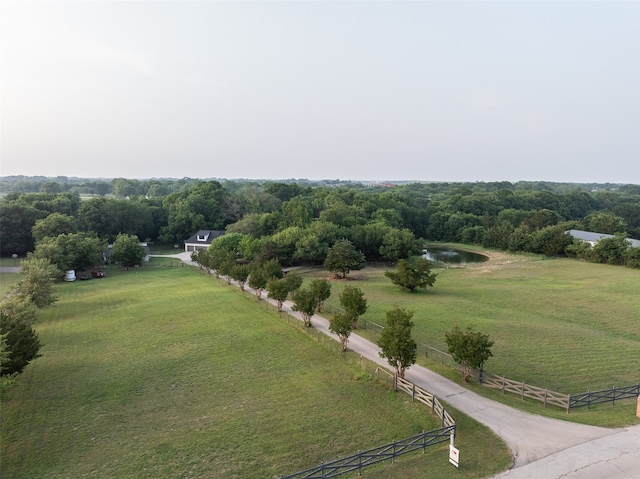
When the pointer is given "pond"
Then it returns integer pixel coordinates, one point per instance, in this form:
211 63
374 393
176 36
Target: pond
453 256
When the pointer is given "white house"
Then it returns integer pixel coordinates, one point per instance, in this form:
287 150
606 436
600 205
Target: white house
202 239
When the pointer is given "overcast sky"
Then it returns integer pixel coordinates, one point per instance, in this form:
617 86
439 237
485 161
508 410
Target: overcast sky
427 91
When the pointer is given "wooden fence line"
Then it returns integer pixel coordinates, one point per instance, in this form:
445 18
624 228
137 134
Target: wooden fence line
606 395
506 385
356 462
524 390
425 397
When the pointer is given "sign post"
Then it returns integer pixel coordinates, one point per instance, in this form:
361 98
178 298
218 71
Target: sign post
454 454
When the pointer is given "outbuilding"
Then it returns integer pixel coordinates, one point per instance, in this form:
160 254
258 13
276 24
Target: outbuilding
202 239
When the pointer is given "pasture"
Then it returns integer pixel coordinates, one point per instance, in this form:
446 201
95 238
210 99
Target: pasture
165 372
562 324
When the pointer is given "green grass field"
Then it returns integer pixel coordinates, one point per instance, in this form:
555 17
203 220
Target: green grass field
562 324
165 372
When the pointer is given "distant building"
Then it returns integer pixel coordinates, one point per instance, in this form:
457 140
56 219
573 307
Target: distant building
202 239
593 238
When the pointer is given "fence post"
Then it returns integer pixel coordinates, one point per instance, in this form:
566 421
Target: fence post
569 404
394 452
523 390
545 397
413 392
589 399
613 395
502 384
442 421
395 382
359 464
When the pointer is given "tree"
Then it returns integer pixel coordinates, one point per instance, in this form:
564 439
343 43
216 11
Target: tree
340 325
202 257
272 269
343 257
470 349
321 289
304 301
53 225
279 290
20 308
396 343
399 244
294 281
127 251
36 282
412 274
21 344
71 251
16 222
258 280
205 206
240 274
353 301
604 222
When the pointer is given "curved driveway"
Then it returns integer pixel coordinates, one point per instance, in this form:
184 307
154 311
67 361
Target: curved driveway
542 448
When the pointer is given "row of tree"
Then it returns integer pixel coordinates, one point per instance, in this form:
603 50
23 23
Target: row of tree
468 348
301 223
19 342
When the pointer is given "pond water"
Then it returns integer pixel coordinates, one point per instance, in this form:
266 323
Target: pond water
453 256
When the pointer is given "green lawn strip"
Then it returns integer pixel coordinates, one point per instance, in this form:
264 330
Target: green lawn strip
8 281
562 324
166 373
10 262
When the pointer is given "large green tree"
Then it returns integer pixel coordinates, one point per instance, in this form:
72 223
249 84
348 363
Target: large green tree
71 251
21 344
470 349
412 274
36 281
343 257
396 344
127 251
399 243
206 206
278 289
53 225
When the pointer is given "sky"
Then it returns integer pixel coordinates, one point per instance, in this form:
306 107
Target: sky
358 90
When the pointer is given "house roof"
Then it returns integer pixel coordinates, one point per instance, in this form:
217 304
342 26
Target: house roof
204 237
595 237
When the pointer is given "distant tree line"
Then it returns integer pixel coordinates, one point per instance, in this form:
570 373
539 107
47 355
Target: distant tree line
299 223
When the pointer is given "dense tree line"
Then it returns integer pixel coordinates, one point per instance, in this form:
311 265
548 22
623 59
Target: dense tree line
299 222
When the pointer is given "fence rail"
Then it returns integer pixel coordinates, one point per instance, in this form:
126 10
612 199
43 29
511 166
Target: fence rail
360 460
425 397
606 395
525 390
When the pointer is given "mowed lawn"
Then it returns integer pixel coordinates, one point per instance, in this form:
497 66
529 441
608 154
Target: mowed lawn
563 324
167 373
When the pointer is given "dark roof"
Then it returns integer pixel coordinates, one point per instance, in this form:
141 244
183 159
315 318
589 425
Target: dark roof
203 237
